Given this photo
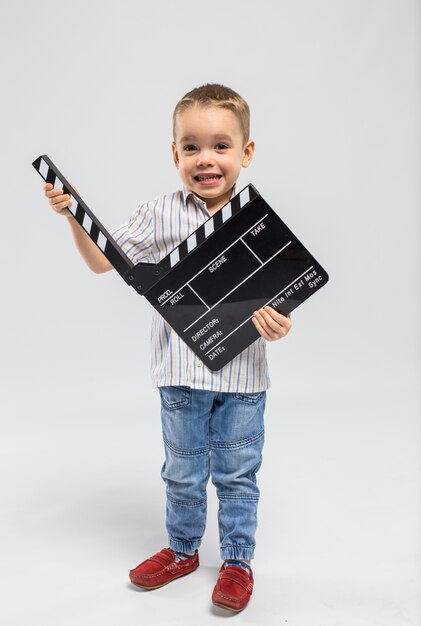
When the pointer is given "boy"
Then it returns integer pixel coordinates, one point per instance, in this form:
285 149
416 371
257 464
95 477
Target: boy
212 422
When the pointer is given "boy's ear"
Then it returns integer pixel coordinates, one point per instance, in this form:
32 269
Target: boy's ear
175 154
248 152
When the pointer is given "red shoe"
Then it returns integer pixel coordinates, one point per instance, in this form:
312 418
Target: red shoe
161 568
233 588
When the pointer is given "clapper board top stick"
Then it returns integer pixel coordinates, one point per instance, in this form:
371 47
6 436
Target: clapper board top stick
242 258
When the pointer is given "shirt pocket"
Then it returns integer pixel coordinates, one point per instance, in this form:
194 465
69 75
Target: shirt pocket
174 397
250 398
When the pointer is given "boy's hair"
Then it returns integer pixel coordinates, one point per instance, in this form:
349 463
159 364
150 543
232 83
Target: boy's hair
213 94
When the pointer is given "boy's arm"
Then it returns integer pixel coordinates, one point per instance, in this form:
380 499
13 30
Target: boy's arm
91 254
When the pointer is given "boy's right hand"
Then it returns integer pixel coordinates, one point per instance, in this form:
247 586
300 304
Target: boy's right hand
58 201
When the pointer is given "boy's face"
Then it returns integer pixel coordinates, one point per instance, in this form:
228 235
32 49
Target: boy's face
209 152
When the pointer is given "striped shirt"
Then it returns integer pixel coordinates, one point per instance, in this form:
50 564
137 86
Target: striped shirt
152 231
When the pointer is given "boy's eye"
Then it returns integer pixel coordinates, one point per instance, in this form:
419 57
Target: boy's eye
191 147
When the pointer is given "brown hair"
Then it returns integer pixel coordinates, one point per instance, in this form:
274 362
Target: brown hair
213 94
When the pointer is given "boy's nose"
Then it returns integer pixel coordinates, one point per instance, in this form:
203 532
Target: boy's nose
204 158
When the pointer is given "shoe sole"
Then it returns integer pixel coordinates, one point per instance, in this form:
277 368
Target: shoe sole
229 608
163 584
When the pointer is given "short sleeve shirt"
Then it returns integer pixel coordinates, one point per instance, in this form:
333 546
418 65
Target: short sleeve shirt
151 232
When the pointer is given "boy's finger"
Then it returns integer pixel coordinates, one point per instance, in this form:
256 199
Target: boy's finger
59 199
270 322
262 320
273 313
60 206
274 329
260 329
54 192
47 187
284 320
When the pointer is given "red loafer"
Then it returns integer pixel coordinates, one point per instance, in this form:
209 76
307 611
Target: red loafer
233 588
161 568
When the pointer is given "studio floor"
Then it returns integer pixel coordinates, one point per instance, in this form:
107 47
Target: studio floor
83 502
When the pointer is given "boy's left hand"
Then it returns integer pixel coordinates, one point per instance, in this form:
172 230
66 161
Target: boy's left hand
271 324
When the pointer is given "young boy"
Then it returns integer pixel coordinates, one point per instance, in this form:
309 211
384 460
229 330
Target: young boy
212 422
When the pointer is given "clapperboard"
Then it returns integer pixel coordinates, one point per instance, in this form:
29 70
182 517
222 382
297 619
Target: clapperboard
241 259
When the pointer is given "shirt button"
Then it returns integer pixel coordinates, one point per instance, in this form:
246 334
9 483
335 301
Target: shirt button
199 363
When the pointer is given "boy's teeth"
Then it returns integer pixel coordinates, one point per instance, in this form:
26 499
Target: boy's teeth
207 177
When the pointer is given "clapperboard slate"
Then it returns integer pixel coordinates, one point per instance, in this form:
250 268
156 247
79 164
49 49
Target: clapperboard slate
242 258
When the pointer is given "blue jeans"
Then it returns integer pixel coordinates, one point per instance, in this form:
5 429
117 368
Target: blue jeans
215 434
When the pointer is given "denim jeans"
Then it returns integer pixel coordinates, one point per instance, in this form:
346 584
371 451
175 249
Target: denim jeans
217 434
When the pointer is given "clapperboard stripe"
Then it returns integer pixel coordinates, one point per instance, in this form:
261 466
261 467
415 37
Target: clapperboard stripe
210 226
226 212
87 223
208 230
244 196
84 216
191 242
174 257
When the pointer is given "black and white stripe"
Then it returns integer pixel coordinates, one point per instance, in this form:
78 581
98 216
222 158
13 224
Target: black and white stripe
211 225
84 216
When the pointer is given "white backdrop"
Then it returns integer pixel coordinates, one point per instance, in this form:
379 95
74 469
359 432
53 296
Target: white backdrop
334 92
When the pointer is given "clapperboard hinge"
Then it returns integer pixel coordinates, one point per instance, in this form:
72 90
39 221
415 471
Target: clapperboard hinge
143 276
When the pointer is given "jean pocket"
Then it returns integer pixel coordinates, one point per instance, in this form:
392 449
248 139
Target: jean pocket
174 397
250 398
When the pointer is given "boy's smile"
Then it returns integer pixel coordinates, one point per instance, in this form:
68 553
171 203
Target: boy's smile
209 151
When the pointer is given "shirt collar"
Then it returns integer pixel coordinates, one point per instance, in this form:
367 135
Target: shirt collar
186 193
